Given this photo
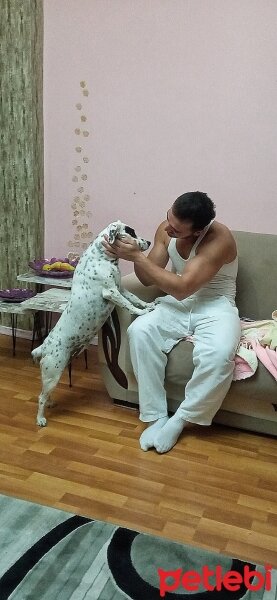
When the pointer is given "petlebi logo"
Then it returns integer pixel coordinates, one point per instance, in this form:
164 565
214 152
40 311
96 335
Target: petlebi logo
215 579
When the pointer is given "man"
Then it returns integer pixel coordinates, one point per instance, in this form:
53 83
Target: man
200 301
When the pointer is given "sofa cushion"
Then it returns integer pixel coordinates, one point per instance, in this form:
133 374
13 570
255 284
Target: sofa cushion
256 283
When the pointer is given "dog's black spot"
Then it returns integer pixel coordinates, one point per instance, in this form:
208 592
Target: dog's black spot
130 231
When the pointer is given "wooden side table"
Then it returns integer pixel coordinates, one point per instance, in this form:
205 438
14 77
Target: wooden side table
31 277
49 301
14 309
41 282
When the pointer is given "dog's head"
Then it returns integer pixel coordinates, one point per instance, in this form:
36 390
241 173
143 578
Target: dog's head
118 230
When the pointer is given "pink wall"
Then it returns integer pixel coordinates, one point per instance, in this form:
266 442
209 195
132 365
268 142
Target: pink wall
182 96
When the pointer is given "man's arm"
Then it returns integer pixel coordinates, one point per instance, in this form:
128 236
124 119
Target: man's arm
199 270
157 256
218 250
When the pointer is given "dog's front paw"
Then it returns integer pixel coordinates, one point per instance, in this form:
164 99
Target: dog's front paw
138 311
142 311
41 421
150 306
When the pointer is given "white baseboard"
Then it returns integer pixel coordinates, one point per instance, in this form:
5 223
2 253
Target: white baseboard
21 333
24 333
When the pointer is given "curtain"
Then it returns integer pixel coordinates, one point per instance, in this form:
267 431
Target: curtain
21 185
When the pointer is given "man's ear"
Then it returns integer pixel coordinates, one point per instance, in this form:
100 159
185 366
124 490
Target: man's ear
113 230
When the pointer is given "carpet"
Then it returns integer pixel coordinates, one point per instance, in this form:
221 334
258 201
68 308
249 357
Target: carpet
49 554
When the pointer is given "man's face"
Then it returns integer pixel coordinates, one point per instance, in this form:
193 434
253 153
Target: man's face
179 229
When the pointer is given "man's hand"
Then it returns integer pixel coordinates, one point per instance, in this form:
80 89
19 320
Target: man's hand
126 249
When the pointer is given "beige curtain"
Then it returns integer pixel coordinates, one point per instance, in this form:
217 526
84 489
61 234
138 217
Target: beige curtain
21 185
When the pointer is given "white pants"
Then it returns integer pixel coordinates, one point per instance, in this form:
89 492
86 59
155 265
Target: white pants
215 326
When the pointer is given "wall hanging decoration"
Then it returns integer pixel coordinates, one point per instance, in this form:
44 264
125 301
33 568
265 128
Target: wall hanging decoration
81 215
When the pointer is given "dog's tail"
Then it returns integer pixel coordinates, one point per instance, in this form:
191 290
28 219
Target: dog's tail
37 354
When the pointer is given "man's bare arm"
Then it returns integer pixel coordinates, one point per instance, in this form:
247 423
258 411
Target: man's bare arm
157 256
218 250
198 272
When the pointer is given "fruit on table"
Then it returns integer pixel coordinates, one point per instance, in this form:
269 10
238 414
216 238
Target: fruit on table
67 267
58 266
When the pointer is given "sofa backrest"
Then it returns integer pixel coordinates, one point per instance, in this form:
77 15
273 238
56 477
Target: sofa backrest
257 275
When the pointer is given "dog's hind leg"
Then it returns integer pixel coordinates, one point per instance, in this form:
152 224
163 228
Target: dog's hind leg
37 354
50 375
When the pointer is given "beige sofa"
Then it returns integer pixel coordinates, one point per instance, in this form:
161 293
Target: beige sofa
250 404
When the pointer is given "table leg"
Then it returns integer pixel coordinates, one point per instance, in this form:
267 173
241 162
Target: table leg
69 373
37 332
14 327
48 321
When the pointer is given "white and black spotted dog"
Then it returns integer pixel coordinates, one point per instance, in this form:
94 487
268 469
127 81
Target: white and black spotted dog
95 291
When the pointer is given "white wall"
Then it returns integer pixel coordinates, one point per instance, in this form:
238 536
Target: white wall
182 96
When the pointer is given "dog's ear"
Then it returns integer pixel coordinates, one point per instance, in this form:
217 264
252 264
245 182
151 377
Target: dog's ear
113 230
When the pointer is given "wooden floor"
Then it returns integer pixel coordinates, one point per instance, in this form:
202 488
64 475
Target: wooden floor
217 488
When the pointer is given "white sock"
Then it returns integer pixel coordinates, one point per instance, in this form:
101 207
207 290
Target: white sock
146 439
167 437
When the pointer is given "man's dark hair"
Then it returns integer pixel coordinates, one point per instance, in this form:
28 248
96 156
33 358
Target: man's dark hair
196 207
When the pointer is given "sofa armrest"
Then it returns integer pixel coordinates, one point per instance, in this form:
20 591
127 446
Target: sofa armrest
113 347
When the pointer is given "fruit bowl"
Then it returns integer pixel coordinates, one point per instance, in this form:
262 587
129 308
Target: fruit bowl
16 295
54 267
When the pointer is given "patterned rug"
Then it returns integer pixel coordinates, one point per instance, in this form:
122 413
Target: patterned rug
48 554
